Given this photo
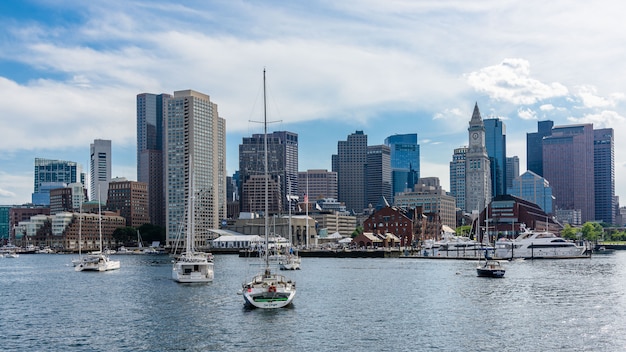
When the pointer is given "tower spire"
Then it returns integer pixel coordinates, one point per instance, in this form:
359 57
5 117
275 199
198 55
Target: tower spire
476 114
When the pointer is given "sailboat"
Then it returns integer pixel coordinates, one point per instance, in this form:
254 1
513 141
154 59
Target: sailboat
291 260
98 261
267 289
192 266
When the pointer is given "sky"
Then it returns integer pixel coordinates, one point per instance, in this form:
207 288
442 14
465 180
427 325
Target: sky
70 71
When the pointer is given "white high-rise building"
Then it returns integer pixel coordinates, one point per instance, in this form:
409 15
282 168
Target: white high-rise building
194 145
100 169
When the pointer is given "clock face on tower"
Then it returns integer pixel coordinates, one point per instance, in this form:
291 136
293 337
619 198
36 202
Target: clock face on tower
475 135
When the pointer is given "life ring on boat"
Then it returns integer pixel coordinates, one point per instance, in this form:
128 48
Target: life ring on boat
272 289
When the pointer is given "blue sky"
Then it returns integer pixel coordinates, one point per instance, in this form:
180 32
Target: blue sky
70 71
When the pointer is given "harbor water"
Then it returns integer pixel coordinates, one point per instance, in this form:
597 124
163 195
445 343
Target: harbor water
375 304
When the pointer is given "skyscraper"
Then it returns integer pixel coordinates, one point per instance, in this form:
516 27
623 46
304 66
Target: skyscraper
477 170
512 170
100 169
457 176
150 163
317 184
282 156
568 164
533 188
534 149
405 161
57 172
604 175
349 163
495 141
195 148
377 174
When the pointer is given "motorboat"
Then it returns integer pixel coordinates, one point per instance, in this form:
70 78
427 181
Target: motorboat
452 246
490 268
192 266
537 244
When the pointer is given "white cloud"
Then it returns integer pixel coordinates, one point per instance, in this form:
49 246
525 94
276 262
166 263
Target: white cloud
603 119
526 114
546 107
590 98
510 81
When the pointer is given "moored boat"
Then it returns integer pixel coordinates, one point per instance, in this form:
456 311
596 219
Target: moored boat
490 268
536 245
192 266
267 289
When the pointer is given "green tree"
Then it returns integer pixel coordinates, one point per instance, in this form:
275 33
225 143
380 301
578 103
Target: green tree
357 231
150 233
591 231
124 234
569 232
463 230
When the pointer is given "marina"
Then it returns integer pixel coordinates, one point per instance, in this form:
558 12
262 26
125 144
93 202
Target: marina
567 305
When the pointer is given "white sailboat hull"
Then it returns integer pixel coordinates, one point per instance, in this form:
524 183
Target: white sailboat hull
269 291
290 262
193 269
97 263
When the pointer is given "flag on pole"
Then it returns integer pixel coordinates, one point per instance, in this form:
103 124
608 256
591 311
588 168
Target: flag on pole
306 198
317 206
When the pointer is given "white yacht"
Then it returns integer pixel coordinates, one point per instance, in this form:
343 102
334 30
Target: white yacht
192 266
452 246
535 244
266 289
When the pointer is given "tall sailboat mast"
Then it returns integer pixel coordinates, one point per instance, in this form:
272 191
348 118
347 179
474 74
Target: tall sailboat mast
266 171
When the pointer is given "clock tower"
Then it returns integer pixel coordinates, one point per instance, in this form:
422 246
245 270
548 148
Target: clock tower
477 167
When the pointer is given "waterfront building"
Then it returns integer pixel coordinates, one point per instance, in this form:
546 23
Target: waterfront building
100 168
405 161
533 188
431 199
349 164
512 170
253 224
21 213
568 164
377 174
495 141
477 166
398 221
335 222
89 226
54 174
253 194
282 159
457 176
4 224
604 175
318 184
194 147
534 147
130 199
507 215
150 163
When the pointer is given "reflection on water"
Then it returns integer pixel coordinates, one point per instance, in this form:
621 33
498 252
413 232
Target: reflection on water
342 305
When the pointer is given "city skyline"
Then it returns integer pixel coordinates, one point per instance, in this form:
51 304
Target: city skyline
70 74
